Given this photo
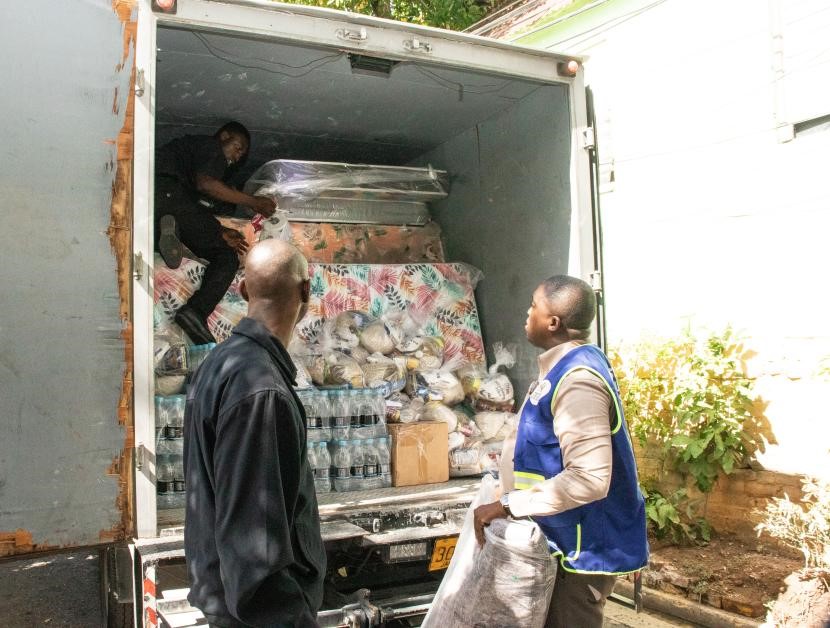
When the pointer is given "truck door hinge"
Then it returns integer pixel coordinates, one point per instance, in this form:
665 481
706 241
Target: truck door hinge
139 83
138 266
349 35
417 45
589 141
596 281
140 456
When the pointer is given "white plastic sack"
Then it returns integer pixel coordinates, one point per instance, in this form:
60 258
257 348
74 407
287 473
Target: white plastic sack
507 583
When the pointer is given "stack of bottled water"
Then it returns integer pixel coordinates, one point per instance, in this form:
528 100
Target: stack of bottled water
348 445
169 459
173 359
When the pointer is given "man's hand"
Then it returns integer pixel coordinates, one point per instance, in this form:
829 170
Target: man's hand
235 240
264 205
483 515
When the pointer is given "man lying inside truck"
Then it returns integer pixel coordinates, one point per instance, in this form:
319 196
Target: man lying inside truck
190 174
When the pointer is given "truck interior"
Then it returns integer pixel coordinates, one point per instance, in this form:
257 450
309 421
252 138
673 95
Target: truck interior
505 142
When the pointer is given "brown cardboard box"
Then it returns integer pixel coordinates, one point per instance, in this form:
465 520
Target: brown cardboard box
419 453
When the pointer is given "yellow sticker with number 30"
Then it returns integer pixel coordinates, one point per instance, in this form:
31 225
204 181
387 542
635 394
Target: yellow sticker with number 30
442 553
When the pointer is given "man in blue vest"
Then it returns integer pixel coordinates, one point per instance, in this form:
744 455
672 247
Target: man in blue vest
572 467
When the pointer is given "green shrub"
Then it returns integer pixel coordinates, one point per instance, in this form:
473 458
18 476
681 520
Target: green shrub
693 400
672 517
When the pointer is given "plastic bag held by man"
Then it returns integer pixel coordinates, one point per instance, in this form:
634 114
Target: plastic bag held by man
508 582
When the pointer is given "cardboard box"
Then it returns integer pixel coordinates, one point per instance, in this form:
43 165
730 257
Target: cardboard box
419 453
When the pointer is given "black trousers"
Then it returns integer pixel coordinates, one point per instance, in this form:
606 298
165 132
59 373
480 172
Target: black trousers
579 600
199 230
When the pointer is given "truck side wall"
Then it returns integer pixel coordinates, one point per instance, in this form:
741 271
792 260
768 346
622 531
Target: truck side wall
509 212
66 77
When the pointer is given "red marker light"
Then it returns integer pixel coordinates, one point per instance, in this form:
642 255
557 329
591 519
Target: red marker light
164 6
568 68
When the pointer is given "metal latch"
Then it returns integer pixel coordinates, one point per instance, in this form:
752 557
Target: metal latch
140 455
416 45
139 83
138 266
349 35
589 141
596 281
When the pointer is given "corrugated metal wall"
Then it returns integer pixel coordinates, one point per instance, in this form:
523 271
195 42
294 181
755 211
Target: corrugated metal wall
66 68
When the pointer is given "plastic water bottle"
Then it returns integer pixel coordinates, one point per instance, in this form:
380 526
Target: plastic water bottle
371 479
322 475
164 468
177 460
342 466
379 415
339 414
312 416
323 409
354 409
356 450
384 461
169 415
312 458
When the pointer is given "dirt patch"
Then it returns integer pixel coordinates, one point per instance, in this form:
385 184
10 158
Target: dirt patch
728 573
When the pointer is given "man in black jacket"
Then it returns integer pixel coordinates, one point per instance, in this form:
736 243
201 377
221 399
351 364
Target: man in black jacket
190 174
252 534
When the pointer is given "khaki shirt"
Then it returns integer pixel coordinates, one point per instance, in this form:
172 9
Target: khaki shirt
584 412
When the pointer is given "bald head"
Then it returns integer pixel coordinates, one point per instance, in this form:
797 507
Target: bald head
273 270
276 286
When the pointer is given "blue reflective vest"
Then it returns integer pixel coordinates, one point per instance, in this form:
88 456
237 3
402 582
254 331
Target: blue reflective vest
605 536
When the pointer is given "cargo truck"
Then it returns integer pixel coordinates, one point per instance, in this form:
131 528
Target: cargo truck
91 89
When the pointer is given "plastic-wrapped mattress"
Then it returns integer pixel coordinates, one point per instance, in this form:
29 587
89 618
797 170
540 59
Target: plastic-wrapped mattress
319 191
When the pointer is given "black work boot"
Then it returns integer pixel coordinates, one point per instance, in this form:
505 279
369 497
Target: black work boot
193 325
170 247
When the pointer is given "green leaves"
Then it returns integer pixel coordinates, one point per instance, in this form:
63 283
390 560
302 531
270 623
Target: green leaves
692 399
452 14
669 520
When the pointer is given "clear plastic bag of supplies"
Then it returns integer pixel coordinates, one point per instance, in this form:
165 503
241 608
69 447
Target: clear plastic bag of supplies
489 389
506 583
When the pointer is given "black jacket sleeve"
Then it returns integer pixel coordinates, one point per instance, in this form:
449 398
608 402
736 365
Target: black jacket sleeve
258 460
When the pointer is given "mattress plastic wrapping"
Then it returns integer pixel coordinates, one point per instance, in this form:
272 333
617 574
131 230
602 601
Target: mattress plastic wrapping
304 180
506 583
357 211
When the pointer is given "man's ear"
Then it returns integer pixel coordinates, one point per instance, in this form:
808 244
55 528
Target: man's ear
243 289
305 290
555 324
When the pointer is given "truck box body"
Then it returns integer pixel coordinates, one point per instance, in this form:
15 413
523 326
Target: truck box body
76 337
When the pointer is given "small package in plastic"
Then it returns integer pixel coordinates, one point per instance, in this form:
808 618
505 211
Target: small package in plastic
401 409
341 369
490 390
435 385
343 331
383 373
377 338
437 411
507 582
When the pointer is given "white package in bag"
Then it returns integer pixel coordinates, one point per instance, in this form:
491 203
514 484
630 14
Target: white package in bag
506 583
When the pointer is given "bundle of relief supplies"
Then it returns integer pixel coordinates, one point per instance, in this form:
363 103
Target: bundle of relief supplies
394 355
507 582
486 419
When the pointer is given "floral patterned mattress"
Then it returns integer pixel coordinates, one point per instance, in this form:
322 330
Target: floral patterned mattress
370 244
441 296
